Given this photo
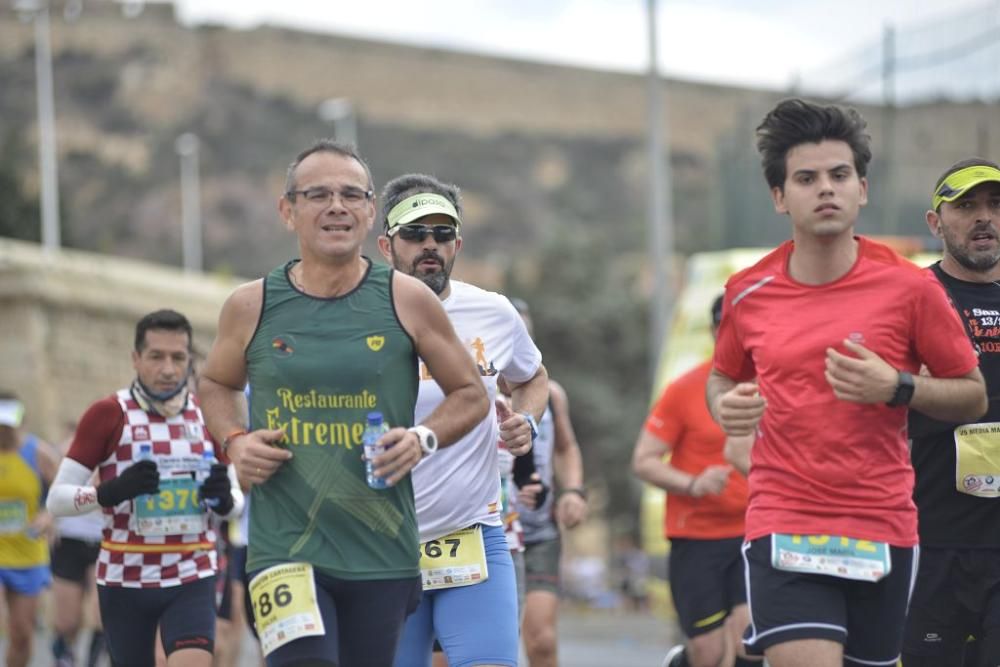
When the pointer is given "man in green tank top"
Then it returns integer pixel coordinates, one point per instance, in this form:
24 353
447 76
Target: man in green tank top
322 341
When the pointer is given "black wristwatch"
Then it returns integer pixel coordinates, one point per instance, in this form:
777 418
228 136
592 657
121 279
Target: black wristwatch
904 391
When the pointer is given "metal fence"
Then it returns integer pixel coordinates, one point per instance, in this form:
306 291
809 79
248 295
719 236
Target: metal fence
952 57
931 95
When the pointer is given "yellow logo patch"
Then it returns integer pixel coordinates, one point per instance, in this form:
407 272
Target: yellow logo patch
375 343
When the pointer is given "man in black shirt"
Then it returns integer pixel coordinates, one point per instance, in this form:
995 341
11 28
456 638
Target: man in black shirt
957 589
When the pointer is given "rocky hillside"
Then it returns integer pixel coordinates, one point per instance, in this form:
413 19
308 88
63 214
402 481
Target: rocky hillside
536 148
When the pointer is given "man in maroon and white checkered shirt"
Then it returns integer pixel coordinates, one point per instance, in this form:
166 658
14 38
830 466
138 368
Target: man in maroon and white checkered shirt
159 483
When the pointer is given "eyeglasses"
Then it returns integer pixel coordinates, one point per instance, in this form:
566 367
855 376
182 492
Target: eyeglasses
349 197
441 233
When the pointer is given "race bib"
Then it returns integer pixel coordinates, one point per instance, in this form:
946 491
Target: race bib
977 459
284 605
833 555
13 516
458 559
172 511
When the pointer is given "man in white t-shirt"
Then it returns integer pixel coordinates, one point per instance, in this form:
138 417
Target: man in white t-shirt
470 596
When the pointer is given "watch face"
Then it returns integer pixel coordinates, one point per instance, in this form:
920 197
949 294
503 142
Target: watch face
904 390
428 440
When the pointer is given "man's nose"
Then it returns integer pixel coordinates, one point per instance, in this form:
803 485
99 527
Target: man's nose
336 202
172 369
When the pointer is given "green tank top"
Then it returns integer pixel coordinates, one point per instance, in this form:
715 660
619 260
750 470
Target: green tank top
316 368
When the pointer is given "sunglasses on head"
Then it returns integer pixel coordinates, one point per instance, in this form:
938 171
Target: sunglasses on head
441 233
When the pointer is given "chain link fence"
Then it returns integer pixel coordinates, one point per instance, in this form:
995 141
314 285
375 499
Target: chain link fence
931 95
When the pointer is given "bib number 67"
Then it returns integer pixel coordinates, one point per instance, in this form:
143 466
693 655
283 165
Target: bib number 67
432 548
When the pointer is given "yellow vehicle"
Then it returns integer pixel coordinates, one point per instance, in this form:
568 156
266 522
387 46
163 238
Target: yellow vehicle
688 343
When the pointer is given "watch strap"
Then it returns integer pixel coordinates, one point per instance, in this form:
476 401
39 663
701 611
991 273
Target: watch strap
426 437
528 417
904 391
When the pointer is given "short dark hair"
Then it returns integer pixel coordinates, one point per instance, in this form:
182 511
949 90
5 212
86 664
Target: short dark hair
325 146
716 312
520 305
795 121
962 164
406 185
166 319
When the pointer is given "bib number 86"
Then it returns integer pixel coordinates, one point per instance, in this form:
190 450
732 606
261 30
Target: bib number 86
264 604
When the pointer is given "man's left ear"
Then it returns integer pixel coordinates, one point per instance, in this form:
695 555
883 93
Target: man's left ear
385 246
285 212
934 223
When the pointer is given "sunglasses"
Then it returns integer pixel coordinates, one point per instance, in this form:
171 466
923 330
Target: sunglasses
441 233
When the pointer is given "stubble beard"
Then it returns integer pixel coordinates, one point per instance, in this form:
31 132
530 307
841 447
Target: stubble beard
982 262
436 280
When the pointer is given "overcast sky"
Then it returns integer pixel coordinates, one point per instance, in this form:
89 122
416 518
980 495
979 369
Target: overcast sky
745 42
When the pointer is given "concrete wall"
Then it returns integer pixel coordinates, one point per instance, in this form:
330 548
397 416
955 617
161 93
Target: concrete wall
68 325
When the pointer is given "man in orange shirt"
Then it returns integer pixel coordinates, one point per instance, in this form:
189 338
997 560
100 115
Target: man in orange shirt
704 518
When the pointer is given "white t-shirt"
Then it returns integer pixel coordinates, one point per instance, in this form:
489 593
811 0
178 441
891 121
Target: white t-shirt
459 486
85 527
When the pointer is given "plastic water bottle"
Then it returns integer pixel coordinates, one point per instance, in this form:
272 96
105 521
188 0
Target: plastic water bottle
145 454
204 470
373 431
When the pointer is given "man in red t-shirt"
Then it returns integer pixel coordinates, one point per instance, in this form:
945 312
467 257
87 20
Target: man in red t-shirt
818 356
704 518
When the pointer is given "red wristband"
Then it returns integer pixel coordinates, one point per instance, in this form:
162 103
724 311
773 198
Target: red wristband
229 438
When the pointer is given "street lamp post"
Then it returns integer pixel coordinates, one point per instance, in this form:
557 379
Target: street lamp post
38 12
187 147
661 225
340 111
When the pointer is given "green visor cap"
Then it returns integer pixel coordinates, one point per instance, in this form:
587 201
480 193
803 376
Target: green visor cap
963 180
417 206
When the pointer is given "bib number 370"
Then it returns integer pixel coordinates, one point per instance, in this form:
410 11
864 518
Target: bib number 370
284 605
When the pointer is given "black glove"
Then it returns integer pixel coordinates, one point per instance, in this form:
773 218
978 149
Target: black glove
524 469
525 474
541 495
136 480
217 487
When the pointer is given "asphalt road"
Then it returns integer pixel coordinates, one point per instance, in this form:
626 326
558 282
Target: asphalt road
586 639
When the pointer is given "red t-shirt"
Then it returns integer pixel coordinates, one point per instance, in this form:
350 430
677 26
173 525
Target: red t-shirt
820 465
681 419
